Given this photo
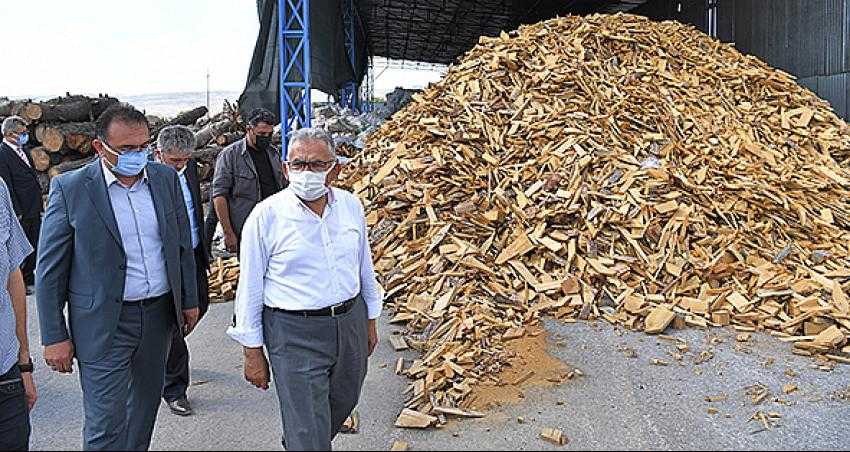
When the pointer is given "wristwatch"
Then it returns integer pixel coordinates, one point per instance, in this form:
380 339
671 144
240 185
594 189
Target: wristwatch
25 367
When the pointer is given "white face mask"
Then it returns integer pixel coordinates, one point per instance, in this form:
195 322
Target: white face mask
308 185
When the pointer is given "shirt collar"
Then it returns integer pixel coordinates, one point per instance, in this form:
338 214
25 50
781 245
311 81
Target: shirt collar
110 177
332 199
14 146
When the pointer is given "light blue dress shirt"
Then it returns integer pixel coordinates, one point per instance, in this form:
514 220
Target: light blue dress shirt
190 207
14 247
138 226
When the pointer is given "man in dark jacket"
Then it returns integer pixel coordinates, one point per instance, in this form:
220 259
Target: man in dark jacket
16 168
246 172
174 148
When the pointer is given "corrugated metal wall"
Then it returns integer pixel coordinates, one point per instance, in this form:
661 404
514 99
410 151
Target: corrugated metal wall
807 38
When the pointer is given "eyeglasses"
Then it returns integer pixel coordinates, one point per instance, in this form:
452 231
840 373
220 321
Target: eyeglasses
315 166
146 147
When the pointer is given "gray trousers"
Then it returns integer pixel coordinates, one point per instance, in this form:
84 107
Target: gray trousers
319 364
121 390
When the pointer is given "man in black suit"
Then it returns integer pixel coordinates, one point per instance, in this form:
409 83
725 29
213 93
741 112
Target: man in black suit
174 148
16 169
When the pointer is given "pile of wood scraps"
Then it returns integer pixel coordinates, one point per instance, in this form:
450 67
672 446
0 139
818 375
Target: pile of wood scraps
605 167
223 279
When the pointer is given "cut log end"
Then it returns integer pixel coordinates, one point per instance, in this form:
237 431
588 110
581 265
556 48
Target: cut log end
52 139
40 158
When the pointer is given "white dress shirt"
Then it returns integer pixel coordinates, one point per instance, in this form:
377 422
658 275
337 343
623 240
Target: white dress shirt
292 259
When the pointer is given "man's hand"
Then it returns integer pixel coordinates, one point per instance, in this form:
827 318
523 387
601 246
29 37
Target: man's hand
190 319
373 336
60 356
230 242
29 388
256 367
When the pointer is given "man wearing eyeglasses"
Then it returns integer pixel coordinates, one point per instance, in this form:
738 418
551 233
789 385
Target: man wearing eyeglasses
308 293
116 248
174 148
246 172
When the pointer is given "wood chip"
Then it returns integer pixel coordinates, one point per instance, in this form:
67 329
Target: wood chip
554 436
658 320
458 412
400 446
414 419
399 343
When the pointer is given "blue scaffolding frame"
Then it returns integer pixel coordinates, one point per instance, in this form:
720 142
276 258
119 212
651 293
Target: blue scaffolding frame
349 94
295 104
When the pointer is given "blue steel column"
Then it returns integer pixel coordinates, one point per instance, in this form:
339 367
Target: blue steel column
295 104
349 95
367 88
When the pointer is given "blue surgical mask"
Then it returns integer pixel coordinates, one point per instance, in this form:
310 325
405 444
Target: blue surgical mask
23 139
129 163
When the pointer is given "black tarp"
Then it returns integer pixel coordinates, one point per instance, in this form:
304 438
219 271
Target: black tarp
433 31
330 66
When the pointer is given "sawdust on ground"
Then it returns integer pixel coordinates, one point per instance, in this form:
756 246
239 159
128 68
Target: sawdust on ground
528 354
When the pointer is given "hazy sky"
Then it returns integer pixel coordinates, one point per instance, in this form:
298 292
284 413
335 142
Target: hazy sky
135 47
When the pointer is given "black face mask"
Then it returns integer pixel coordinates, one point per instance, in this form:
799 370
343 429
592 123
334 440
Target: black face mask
262 142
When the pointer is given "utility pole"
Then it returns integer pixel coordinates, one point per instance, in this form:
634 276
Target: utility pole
208 91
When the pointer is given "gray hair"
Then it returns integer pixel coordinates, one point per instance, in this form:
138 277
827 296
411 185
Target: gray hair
12 124
176 139
312 134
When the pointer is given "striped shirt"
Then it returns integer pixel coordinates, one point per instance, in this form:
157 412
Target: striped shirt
14 247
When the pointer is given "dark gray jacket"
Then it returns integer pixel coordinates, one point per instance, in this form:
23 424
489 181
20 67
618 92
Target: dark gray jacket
236 180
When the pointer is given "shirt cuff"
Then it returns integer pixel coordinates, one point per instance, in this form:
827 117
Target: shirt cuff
374 309
248 338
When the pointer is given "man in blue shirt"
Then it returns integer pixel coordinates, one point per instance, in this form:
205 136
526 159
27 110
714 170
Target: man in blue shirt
17 391
174 148
116 250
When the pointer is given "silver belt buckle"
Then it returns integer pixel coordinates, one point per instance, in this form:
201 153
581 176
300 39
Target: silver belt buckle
333 308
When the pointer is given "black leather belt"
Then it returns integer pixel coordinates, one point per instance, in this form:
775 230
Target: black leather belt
12 376
148 301
330 311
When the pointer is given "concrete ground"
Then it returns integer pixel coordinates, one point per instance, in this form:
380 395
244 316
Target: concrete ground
620 403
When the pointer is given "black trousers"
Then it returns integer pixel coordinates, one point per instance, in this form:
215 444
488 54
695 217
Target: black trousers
14 413
31 227
210 222
177 367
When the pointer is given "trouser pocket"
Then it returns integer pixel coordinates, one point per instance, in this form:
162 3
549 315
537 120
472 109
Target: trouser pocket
14 415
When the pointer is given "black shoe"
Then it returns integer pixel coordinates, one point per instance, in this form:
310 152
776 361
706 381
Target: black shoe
180 407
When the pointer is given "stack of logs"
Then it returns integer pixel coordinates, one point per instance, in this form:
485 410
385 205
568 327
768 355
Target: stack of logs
61 131
211 136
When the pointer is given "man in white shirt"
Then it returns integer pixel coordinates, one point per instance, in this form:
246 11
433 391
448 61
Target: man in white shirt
307 291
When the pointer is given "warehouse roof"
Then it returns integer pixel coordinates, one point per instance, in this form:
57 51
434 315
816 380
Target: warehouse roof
438 31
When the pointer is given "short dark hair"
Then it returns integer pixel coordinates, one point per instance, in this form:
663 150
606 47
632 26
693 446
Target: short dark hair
120 112
259 115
